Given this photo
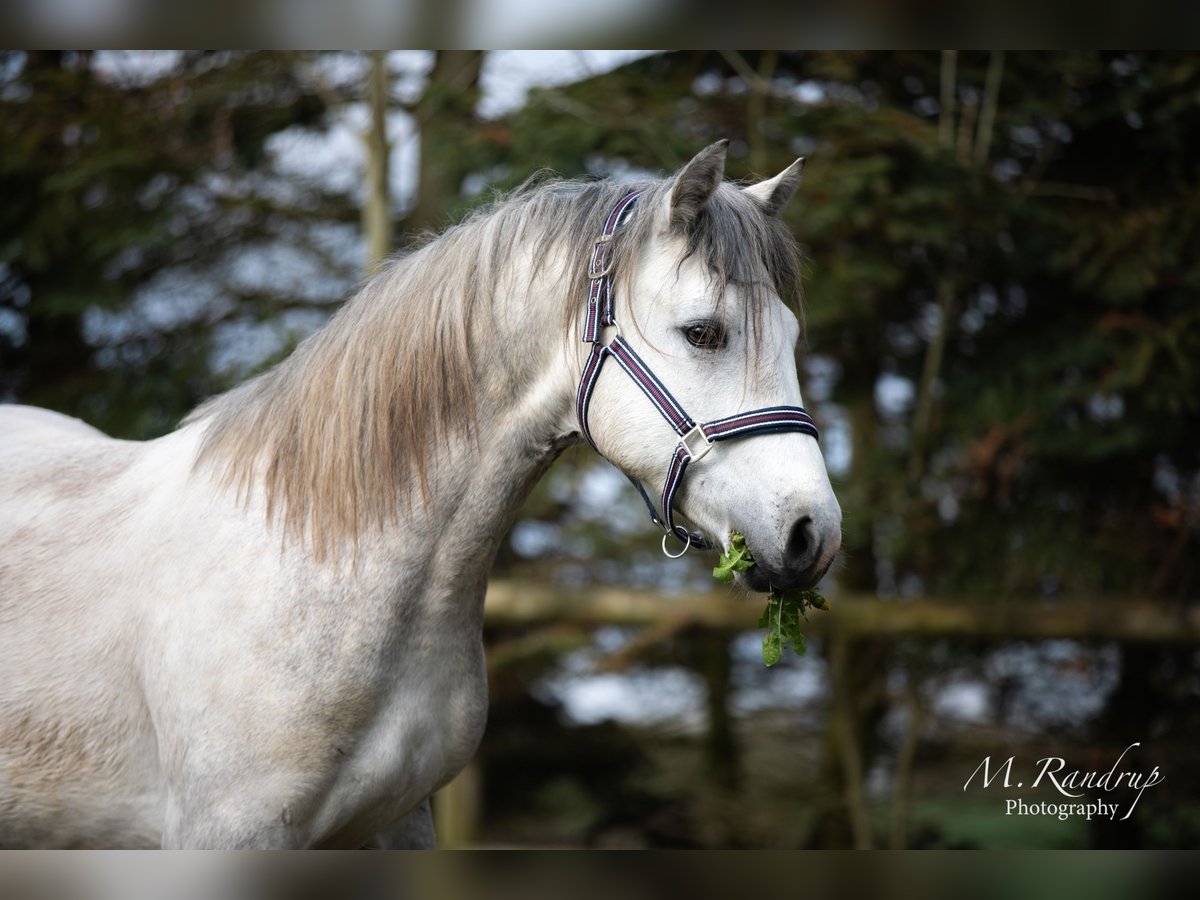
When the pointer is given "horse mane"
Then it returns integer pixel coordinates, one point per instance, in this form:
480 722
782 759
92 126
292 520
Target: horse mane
342 434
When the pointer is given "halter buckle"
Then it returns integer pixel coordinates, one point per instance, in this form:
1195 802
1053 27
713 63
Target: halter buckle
600 255
696 433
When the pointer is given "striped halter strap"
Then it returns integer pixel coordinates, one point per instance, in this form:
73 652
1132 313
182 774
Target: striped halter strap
694 440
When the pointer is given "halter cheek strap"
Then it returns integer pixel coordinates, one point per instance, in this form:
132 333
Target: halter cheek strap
695 441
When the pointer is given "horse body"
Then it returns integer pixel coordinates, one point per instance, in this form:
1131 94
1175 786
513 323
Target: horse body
175 672
184 663
311 681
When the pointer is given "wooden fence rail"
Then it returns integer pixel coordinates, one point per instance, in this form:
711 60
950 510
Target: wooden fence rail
1137 620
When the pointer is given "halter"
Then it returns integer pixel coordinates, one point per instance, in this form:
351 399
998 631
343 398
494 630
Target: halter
695 441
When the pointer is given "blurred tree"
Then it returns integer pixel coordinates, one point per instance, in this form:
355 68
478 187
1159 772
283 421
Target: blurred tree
131 179
452 146
111 178
377 200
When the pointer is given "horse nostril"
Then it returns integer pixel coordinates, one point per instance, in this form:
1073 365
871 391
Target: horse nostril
802 546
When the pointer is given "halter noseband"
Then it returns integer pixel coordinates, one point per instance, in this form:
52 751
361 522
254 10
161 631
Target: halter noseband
695 441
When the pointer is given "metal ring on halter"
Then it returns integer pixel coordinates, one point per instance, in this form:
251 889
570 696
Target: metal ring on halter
686 547
615 326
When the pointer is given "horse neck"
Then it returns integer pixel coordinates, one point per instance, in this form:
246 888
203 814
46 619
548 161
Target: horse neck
443 389
523 418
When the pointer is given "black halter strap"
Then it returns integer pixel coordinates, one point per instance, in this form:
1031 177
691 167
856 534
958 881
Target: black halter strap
695 441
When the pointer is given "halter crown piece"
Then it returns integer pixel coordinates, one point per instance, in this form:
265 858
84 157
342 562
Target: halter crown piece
695 441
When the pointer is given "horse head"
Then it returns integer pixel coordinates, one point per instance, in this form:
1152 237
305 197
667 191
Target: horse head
700 272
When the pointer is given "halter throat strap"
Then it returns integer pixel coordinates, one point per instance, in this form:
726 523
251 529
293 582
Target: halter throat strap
695 440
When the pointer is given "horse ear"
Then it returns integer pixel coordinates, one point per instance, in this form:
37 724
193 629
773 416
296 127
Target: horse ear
774 193
696 183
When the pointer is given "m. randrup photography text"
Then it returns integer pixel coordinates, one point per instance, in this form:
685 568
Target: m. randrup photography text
1075 783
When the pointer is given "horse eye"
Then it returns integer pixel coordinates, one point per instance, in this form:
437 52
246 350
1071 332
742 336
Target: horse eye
708 336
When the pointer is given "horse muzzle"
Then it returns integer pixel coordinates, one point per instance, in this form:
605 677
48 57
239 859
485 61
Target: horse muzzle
806 556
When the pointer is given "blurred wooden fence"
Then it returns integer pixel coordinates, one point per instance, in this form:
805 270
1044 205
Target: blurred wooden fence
509 603
1137 620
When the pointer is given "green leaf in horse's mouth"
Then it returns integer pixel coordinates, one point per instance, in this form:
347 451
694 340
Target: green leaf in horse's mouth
785 609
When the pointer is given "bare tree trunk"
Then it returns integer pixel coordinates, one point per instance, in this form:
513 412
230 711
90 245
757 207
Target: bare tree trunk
458 808
929 373
967 116
987 115
722 745
947 109
445 116
902 788
1129 713
759 83
844 721
377 207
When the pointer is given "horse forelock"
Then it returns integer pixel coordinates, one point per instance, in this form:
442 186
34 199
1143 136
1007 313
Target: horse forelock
339 436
